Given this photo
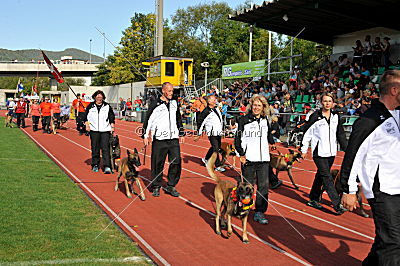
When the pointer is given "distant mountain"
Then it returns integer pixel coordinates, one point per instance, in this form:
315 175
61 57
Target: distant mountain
29 54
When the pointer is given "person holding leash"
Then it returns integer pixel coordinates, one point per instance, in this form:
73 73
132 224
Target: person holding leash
79 107
164 121
372 157
45 110
210 120
324 129
251 142
99 119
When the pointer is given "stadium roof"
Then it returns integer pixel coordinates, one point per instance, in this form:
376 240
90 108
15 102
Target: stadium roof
323 19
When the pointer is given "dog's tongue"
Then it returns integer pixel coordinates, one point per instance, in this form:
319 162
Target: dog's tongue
137 168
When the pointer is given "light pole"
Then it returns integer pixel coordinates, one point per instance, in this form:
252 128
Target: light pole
269 53
251 29
90 51
104 47
205 65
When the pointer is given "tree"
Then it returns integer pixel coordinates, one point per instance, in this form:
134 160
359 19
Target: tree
135 46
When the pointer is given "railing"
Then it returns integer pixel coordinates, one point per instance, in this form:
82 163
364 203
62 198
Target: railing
53 61
217 82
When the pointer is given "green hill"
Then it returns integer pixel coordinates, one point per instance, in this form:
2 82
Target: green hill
29 54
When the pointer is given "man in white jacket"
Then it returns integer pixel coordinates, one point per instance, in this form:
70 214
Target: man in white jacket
164 123
210 120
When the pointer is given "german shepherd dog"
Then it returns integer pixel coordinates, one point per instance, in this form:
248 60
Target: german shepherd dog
128 168
115 150
336 181
227 150
231 198
63 119
285 163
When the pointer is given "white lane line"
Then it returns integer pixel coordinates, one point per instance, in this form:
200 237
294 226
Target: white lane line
79 261
197 206
124 224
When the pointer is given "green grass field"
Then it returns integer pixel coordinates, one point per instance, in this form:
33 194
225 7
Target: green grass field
45 216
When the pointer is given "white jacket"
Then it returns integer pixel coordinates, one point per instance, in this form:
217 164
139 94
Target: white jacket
372 156
211 121
99 120
252 138
324 136
163 120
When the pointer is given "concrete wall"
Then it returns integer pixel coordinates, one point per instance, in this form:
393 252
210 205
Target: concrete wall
344 43
113 93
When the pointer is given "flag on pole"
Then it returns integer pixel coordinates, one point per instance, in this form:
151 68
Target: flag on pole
54 71
34 89
20 87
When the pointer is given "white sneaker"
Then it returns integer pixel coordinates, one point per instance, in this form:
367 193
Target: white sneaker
220 169
204 160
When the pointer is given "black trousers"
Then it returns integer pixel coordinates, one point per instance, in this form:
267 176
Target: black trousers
35 122
323 178
100 141
258 171
20 118
80 125
46 123
215 147
386 247
273 179
159 151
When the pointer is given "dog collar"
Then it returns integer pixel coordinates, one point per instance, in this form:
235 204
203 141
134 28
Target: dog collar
239 203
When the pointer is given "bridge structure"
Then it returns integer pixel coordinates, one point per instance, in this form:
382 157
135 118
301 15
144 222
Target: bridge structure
33 69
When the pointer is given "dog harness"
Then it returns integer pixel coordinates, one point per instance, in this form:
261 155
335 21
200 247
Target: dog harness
287 160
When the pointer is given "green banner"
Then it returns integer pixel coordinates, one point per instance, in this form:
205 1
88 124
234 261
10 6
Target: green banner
244 70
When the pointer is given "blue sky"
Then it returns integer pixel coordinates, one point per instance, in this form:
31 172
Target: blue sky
56 25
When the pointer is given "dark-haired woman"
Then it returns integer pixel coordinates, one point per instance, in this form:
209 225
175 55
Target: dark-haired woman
99 119
324 130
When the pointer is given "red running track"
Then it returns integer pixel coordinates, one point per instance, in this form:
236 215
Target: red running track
180 231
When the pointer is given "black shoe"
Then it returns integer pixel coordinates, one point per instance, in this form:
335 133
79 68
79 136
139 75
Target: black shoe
156 192
314 204
260 218
277 184
340 209
172 191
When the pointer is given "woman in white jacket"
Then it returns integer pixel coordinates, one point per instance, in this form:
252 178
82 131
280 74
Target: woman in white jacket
324 130
99 119
252 141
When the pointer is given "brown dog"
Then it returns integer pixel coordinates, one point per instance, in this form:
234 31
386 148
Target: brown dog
285 162
336 181
228 150
128 168
232 198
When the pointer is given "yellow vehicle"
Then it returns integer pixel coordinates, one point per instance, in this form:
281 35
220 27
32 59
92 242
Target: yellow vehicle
176 70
